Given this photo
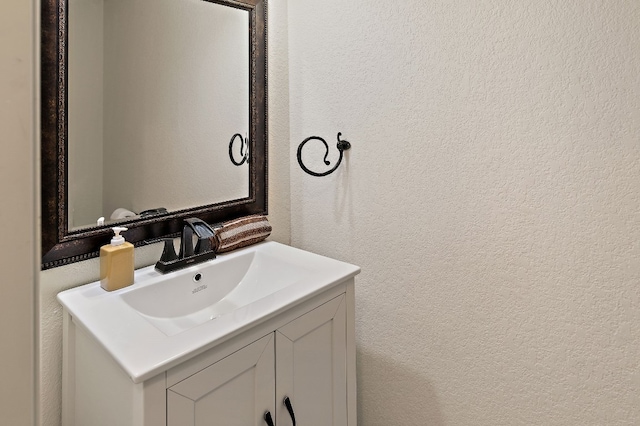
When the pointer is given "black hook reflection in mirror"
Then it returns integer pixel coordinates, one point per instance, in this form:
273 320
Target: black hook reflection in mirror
342 145
244 149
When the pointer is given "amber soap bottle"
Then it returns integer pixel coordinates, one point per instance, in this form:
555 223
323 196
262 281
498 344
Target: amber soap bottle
116 262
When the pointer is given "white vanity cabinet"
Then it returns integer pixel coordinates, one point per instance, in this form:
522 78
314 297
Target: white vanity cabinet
233 391
305 353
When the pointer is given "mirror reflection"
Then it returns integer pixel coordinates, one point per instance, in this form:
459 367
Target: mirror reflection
156 90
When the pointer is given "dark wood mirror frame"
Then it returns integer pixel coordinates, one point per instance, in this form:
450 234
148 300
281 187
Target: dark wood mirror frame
60 245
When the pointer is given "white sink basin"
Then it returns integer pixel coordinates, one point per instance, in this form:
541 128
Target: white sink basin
184 299
162 320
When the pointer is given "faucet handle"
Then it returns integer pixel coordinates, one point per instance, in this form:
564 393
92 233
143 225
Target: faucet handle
169 251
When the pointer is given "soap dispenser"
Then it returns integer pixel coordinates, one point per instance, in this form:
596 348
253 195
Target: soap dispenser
116 262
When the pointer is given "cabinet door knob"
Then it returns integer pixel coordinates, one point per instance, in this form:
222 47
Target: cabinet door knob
287 403
268 419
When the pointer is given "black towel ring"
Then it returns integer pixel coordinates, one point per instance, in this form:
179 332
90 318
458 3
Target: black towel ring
342 145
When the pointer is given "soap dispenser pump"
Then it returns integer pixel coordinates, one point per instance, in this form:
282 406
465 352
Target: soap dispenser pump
116 262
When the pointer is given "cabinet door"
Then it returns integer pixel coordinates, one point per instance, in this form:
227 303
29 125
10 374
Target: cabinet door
311 367
235 391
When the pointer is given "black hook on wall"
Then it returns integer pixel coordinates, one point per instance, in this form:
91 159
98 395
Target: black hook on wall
244 144
342 145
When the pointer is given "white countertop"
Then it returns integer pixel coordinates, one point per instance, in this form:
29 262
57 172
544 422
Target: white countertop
143 350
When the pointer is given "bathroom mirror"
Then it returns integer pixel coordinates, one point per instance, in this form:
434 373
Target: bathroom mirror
140 100
143 111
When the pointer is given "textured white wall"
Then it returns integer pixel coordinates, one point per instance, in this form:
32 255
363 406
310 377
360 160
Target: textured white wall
58 279
491 197
279 204
18 217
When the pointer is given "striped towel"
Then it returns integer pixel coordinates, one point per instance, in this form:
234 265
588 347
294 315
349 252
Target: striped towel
241 232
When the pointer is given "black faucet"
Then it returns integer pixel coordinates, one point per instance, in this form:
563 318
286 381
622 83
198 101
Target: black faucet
189 255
